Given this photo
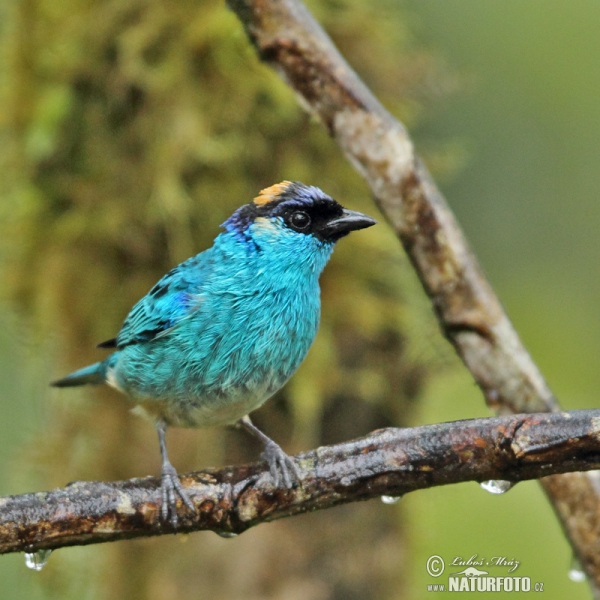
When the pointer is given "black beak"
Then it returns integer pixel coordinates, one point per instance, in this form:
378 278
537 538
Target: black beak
350 220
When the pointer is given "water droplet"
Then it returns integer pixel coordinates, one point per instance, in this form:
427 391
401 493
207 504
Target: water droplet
390 499
226 534
37 560
497 486
576 572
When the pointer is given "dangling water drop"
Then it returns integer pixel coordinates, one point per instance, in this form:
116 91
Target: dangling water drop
497 486
390 499
37 560
226 534
576 572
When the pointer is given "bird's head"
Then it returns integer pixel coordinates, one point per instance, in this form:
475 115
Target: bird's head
294 215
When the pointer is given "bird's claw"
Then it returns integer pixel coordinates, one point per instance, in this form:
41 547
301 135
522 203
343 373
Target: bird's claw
280 464
170 487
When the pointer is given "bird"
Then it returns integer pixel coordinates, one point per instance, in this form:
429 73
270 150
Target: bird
223 331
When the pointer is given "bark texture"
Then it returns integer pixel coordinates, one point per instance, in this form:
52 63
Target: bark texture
390 462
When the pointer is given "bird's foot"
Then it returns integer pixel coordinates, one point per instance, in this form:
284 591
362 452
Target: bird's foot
170 487
280 465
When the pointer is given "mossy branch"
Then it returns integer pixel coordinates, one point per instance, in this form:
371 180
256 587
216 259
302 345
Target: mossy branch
229 501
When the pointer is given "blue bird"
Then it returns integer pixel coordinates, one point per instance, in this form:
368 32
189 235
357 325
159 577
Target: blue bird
220 333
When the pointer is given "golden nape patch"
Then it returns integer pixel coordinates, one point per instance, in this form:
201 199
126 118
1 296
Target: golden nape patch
271 193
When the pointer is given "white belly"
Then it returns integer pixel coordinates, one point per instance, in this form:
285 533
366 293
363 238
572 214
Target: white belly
199 414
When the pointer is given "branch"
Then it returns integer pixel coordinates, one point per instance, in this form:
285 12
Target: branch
231 500
288 38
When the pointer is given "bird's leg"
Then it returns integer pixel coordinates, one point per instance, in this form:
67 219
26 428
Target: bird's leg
169 481
276 458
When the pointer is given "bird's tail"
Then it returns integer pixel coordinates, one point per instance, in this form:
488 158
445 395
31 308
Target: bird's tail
93 374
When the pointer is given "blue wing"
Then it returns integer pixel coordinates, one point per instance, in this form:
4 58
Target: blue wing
175 297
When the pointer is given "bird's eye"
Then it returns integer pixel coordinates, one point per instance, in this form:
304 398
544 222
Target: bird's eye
299 220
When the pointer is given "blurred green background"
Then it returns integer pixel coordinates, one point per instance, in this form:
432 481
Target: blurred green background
130 129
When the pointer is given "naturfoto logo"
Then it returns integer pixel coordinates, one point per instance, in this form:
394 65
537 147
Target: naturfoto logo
474 578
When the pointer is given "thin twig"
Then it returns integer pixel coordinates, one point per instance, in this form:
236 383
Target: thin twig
229 501
288 38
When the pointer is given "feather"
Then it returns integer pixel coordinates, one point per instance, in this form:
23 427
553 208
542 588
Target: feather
169 302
